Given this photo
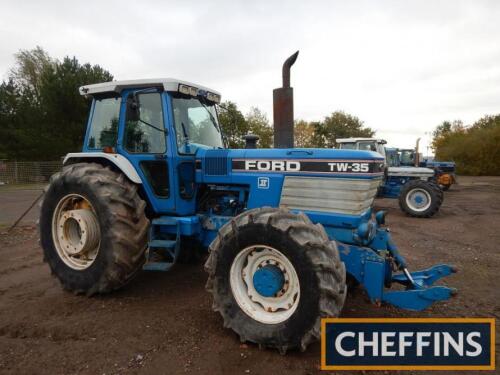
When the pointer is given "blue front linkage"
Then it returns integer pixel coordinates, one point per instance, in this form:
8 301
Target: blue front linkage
373 268
373 259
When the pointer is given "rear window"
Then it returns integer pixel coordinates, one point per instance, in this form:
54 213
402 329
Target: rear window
104 124
347 146
367 146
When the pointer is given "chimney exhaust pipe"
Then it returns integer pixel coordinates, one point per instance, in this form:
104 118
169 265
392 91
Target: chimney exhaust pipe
283 108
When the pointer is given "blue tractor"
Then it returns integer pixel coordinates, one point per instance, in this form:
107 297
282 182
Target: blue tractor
283 227
444 171
414 187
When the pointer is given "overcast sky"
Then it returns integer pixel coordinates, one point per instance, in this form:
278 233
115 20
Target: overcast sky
400 66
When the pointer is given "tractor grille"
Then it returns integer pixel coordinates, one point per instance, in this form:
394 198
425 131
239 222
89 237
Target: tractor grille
215 163
341 195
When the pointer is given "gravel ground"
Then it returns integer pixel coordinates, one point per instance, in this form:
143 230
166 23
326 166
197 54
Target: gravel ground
163 323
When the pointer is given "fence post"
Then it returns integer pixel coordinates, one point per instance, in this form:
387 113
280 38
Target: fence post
15 172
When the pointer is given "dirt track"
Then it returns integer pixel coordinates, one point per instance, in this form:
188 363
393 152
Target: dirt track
163 323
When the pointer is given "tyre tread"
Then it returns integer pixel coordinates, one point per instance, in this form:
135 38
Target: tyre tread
322 253
128 225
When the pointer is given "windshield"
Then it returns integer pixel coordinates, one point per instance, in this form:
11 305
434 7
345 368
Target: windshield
196 124
392 158
407 157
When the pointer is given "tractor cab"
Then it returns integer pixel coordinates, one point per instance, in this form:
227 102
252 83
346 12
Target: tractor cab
408 157
154 128
368 144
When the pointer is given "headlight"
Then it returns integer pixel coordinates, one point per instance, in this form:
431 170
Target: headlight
213 97
365 232
188 90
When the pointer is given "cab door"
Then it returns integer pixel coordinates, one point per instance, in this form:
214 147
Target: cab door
143 141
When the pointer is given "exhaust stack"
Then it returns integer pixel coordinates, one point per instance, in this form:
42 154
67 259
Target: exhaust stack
283 108
417 155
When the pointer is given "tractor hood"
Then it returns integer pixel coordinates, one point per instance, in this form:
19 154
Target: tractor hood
308 180
410 172
444 166
441 163
296 161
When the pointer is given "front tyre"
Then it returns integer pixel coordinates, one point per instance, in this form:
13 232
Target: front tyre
419 198
273 276
93 229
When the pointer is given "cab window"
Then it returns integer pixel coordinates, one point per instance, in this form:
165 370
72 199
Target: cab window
146 133
367 146
347 146
104 123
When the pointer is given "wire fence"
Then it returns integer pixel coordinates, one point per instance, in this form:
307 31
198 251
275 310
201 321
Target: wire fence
27 172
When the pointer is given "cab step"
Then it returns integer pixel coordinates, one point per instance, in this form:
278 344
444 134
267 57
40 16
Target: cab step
162 244
162 253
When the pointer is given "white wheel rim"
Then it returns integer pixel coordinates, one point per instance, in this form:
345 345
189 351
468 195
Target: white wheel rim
75 231
268 310
418 199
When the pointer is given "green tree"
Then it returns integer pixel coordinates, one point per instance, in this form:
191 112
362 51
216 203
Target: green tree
487 122
474 149
258 124
339 125
233 124
304 133
42 115
446 128
29 69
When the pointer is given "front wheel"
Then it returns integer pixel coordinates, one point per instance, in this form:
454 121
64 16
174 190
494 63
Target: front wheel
273 276
420 198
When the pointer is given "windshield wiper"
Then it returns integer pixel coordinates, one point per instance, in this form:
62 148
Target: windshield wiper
152 126
184 133
212 118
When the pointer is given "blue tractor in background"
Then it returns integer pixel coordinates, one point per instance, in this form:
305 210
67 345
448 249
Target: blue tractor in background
282 227
444 171
414 187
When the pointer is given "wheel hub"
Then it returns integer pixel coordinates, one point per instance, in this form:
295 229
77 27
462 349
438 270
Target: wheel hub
418 199
265 284
268 280
75 231
78 231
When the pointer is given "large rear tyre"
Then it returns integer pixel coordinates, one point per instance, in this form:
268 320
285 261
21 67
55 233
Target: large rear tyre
93 229
419 198
273 276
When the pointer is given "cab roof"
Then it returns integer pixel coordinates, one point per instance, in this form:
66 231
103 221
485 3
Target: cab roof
354 140
168 84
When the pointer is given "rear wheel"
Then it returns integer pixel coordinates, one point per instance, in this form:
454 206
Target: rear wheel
420 198
273 276
93 229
